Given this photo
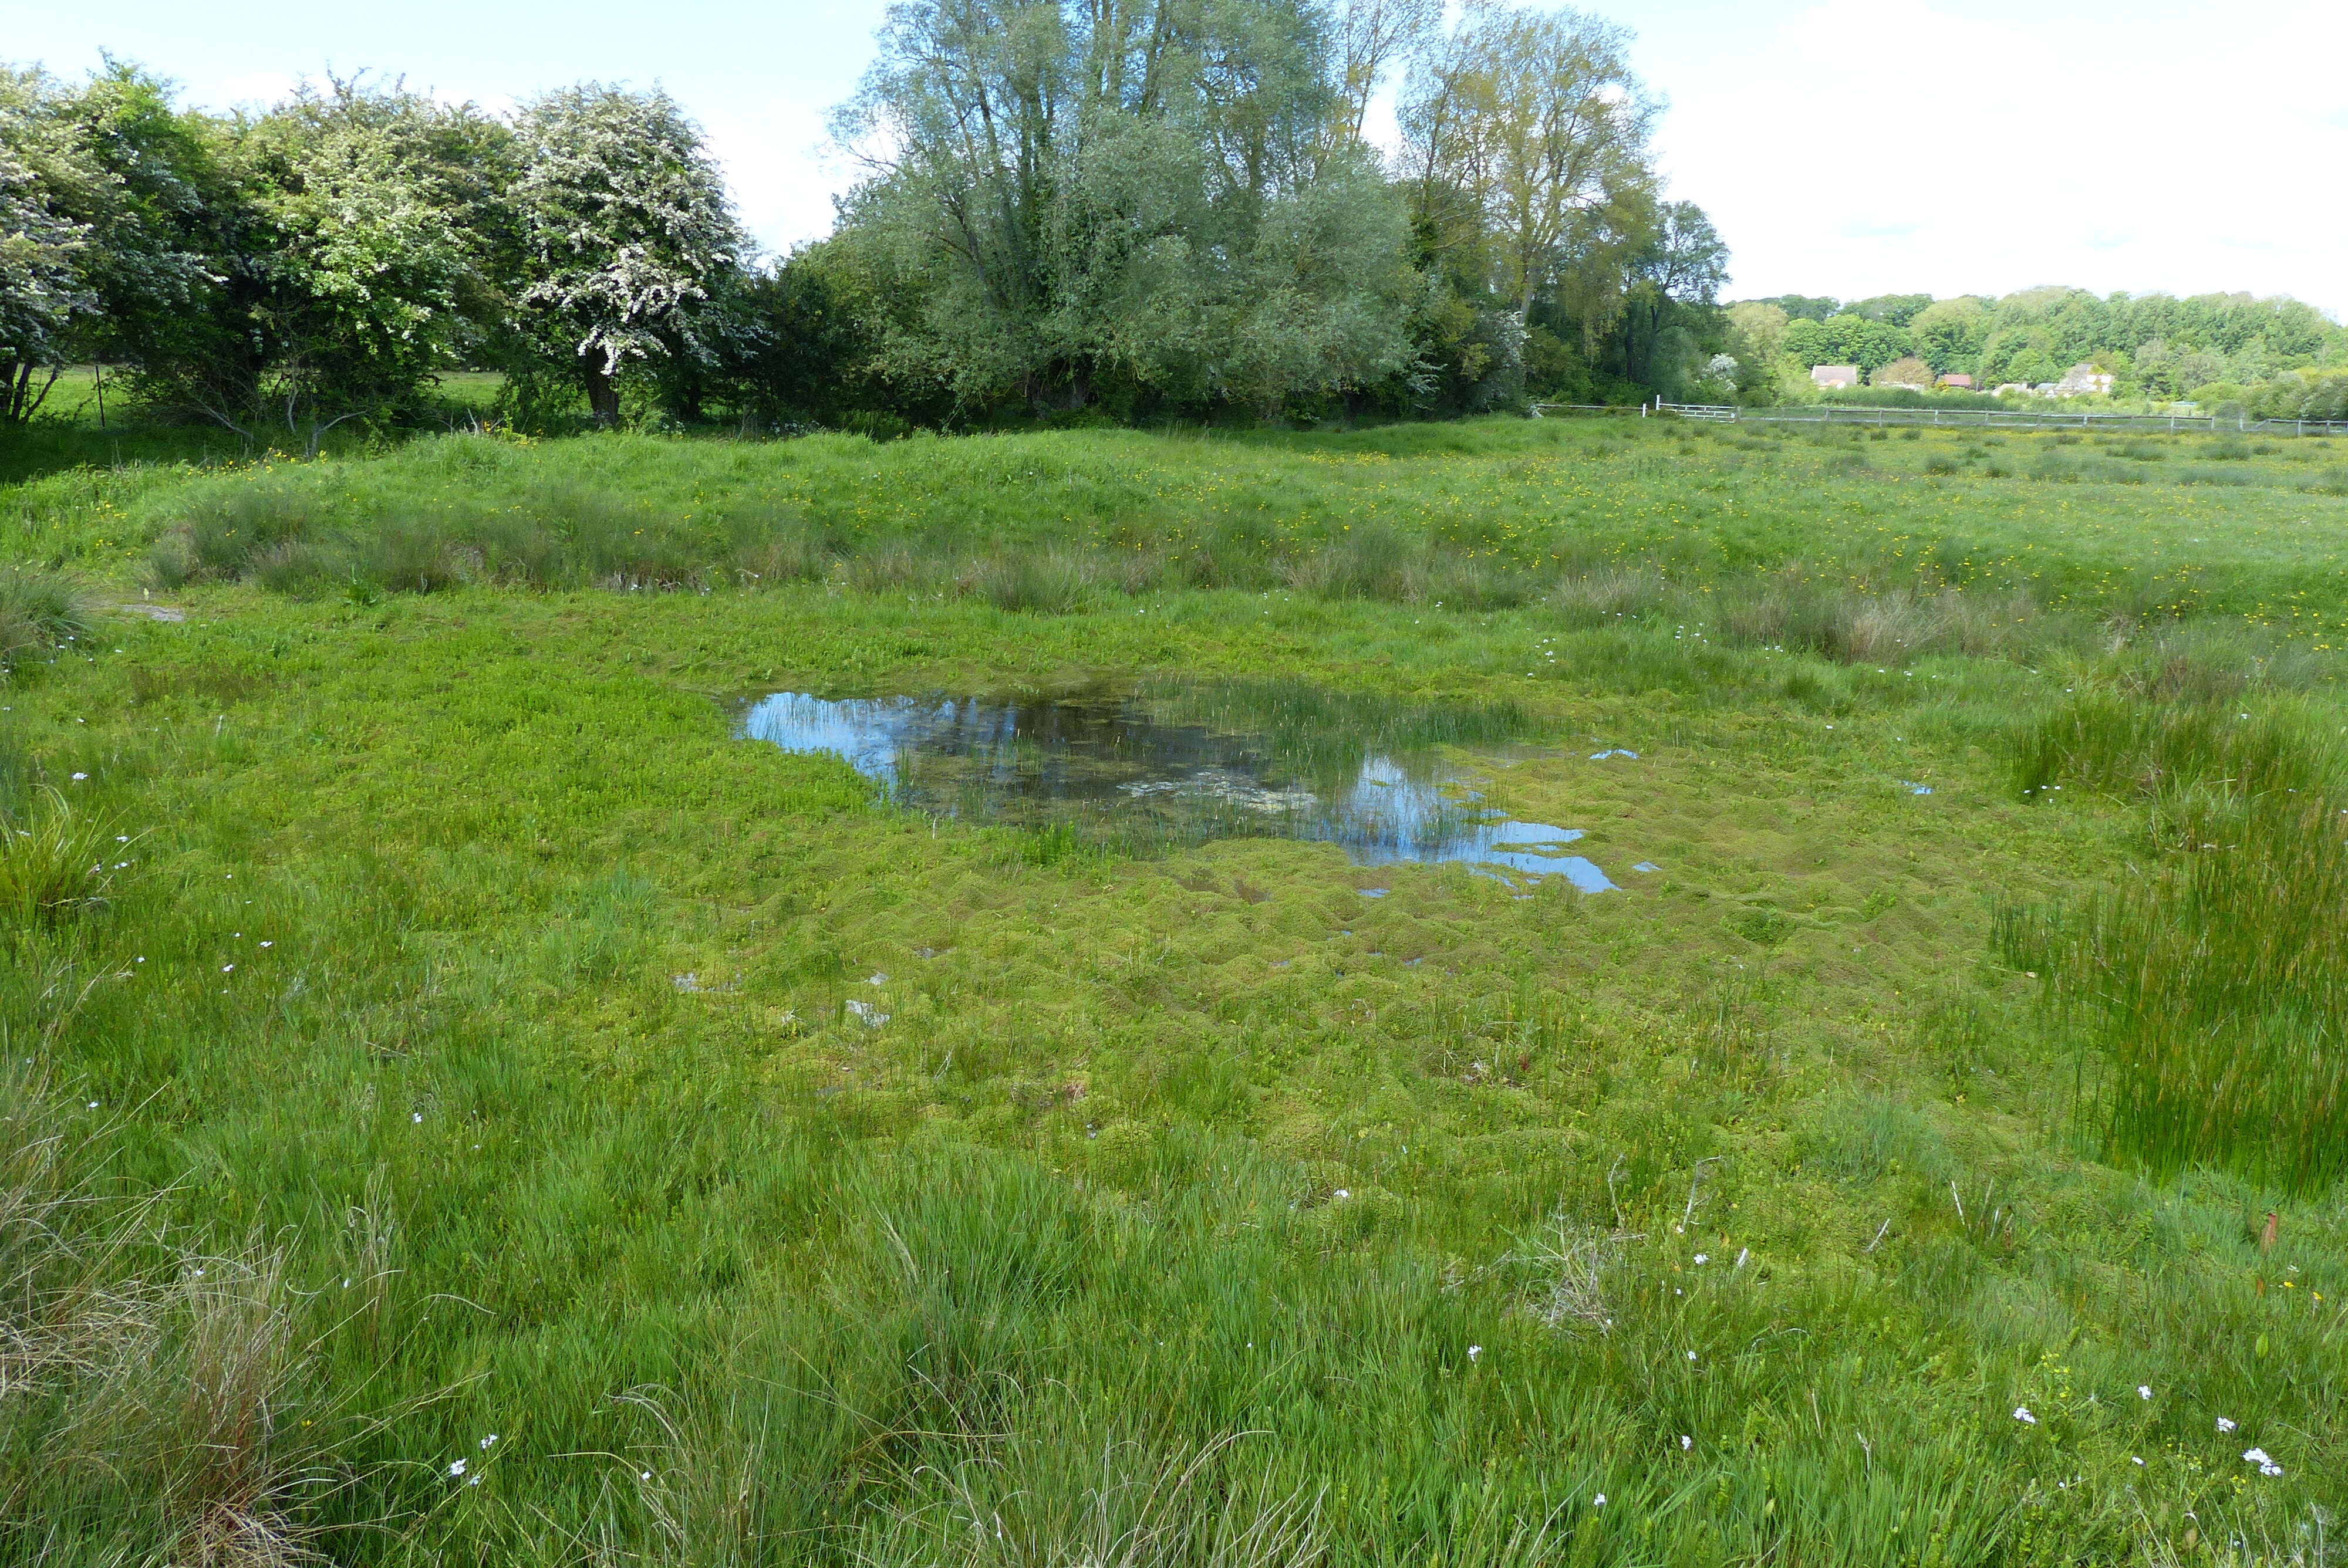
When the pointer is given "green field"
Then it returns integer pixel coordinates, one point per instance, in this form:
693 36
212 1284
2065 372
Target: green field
438 1131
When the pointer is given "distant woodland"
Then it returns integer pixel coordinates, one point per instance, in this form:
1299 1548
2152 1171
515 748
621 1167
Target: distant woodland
2277 357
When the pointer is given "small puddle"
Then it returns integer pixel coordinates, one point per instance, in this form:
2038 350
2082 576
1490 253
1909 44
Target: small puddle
1190 765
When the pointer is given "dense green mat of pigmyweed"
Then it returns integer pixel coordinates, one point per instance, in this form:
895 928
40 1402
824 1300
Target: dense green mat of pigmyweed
1061 1250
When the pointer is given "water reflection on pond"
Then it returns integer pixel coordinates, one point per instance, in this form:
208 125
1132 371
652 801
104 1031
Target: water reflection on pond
1182 765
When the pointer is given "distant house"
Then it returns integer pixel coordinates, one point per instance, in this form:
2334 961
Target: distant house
1827 377
1959 382
2084 381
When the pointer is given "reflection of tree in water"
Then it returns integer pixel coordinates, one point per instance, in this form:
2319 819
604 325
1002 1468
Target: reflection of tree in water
1168 766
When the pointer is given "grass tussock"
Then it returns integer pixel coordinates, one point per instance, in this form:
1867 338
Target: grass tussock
1804 608
41 613
2214 993
2135 749
2210 986
144 1389
54 864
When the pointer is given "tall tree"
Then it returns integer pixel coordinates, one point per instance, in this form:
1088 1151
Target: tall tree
1153 193
628 232
1523 124
1950 333
1372 38
1680 269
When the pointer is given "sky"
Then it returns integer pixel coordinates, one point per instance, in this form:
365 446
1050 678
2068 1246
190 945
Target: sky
1847 148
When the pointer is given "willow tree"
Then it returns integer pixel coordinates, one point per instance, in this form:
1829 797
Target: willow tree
1151 193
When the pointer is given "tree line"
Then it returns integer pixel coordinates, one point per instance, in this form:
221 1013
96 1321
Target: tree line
282 273
1157 208
2277 356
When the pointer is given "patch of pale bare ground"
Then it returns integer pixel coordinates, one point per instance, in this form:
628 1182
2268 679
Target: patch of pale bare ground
1565 1264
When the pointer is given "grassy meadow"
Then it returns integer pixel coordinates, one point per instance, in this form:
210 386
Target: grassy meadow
436 1129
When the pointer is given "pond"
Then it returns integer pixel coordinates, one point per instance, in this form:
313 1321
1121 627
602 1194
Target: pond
1140 768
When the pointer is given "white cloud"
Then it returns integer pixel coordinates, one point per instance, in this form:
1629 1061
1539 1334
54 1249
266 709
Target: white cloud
1892 144
782 170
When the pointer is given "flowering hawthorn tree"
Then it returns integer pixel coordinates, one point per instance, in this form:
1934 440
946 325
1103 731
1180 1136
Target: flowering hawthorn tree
627 229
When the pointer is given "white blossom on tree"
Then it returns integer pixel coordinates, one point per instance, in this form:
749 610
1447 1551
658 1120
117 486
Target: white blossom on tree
42 252
628 227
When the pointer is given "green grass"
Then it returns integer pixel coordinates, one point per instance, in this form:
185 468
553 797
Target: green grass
1481 516
1055 1267
70 433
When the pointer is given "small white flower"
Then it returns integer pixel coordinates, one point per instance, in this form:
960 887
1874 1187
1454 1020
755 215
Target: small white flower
1691 1354
1598 1502
417 1117
473 1481
455 1467
227 968
2256 1456
1686 1442
1342 1192
2270 1470
93 1105
78 778
121 838
2022 1413
647 1476
2144 1392
487 1440
2133 1460
269 944
1474 1351
2224 1425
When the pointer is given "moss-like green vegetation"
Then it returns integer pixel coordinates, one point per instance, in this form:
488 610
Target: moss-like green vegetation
437 1131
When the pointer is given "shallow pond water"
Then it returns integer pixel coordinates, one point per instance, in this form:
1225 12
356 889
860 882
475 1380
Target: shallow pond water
1186 765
